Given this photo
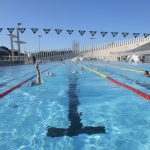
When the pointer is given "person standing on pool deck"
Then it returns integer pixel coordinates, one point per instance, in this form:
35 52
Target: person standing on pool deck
34 59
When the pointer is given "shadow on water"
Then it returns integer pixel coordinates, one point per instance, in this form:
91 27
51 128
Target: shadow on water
76 127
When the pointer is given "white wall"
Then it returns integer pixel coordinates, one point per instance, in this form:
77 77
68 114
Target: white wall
108 51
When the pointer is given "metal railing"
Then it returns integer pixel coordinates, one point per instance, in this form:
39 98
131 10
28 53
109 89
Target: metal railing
11 58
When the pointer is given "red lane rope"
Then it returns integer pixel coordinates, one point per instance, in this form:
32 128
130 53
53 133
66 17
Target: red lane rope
15 87
146 96
18 85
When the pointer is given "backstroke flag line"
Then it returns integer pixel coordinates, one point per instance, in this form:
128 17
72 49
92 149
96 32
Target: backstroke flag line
81 32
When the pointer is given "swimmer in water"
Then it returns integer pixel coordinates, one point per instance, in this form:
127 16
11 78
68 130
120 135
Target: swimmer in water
38 80
62 60
80 72
74 71
147 73
49 73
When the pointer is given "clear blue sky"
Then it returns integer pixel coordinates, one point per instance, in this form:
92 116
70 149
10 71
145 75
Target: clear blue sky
99 15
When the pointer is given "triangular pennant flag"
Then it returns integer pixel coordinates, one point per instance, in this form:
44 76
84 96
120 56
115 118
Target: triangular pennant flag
92 33
136 34
58 31
22 29
1 29
125 34
103 34
146 35
47 30
81 32
70 31
10 30
114 33
34 30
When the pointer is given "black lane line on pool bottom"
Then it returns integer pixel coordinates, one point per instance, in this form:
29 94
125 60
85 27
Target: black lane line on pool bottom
76 127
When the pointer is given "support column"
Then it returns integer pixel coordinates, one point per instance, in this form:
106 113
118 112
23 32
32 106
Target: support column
12 47
18 43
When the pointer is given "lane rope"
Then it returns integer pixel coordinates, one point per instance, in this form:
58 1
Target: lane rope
123 68
92 70
142 94
15 87
147 86
19 84
128 69
4 83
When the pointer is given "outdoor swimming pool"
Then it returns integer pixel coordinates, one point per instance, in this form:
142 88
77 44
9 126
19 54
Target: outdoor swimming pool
68 101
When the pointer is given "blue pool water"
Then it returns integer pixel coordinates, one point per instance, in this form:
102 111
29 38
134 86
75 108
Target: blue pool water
28 112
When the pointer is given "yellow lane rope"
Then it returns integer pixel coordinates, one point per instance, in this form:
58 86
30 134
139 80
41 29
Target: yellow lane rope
140 93
128 69
92 70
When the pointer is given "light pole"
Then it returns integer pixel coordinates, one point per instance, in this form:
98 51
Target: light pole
18 41
92 38
39 41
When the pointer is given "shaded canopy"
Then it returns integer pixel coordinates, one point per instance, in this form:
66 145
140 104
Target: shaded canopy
4 51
